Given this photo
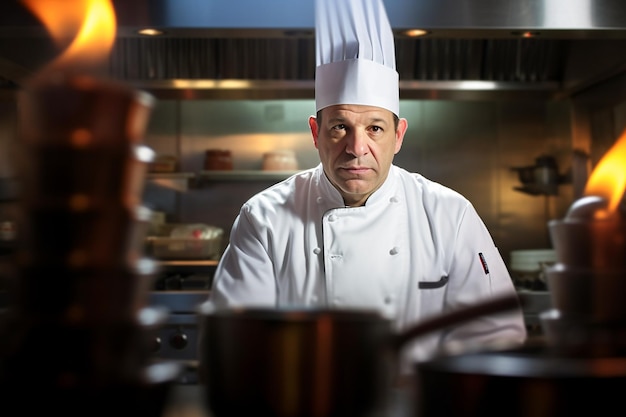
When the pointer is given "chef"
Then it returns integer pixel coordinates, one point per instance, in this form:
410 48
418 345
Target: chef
358 231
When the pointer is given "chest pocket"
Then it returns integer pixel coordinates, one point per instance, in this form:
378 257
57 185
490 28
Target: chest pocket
432 285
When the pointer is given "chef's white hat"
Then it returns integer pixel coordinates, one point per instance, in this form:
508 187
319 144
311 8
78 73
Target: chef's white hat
355 51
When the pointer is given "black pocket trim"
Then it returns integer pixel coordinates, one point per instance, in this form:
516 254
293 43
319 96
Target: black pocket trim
429 285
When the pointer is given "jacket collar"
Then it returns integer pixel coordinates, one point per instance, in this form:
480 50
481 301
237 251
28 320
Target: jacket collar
332 195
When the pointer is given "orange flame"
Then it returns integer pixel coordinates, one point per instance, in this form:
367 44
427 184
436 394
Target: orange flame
94 20
608 179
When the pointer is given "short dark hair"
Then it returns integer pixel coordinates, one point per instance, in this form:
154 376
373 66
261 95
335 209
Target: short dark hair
318 119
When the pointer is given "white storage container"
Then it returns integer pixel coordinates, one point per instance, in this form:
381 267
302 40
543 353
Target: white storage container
187 241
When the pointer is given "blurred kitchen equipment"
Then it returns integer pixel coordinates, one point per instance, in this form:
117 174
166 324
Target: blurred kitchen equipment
581 367
163 163
157 221
218 160
8 230
177 340
280 160
187 241
308 362
526 382
587 283
543 178
77 315
528 267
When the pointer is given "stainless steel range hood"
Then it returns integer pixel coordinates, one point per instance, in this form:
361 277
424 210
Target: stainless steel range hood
265 49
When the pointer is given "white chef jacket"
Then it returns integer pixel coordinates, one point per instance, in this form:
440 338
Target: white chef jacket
415 249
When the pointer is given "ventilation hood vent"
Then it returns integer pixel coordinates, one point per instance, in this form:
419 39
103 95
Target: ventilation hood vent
256 49
519 60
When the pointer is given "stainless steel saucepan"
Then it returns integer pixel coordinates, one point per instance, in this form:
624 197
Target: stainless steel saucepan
308 362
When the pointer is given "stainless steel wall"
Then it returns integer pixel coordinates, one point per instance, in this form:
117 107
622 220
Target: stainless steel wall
468 146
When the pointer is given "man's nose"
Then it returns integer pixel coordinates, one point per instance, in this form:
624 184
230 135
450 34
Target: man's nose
358 143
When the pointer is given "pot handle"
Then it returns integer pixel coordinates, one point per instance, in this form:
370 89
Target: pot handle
438 322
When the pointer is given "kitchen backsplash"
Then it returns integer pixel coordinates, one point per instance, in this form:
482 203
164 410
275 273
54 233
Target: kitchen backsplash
468 146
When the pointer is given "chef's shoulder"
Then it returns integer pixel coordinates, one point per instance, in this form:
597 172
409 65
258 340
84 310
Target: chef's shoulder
431 194
280 198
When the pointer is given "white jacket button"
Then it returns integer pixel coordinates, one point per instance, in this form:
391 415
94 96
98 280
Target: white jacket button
332 218
394 251
317 251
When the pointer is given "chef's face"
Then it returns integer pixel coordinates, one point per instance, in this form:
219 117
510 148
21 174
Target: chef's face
356 145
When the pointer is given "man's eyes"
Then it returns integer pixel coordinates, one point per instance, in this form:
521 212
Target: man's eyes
344 127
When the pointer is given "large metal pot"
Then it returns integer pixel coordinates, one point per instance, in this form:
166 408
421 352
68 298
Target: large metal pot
318 363
531 381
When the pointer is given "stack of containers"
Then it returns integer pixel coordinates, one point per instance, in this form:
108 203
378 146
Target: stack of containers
528 267
588 286
77 335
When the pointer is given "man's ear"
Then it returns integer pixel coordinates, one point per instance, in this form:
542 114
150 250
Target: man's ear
314 129
403 125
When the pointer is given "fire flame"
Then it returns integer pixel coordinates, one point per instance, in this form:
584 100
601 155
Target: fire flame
608 179
94 20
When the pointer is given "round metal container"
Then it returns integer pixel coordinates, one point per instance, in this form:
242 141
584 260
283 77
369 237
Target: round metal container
529 382
266 362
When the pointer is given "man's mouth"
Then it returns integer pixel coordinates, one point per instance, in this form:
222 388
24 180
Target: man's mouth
356 169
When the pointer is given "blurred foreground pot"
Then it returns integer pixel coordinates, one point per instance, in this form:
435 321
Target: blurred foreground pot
525 382
270 362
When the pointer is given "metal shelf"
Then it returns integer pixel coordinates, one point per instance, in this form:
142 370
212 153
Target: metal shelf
177 181
245 175
182 181
199 263
188 266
